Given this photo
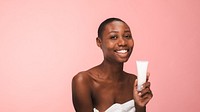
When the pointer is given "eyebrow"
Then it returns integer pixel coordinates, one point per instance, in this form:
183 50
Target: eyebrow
127 30
114 31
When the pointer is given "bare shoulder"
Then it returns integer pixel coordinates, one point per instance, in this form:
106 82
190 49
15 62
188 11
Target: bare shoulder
81 77
81 92
130 77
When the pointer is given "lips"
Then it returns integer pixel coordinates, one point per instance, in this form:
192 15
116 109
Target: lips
123 51
121 54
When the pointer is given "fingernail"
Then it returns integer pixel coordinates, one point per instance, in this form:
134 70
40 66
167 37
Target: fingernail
139 93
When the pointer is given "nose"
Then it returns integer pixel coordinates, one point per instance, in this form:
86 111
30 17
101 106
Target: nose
122 42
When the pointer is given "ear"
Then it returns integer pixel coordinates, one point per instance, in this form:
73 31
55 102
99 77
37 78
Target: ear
99 42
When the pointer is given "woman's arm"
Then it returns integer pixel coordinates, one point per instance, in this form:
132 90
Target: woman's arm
81 93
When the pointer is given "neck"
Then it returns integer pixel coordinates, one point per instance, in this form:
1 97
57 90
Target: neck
111 70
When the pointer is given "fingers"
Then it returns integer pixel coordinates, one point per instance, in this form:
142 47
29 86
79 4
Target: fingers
148 75
146 85
146 91
144 97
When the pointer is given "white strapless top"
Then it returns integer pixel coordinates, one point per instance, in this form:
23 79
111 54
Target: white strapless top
125 107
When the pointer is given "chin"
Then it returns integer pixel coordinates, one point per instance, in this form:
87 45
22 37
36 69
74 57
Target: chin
122 60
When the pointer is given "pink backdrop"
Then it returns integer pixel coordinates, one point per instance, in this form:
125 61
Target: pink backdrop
44 43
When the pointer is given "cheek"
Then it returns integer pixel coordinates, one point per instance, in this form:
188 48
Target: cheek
108 45
131 43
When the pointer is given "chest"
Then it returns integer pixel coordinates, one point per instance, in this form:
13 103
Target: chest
109 92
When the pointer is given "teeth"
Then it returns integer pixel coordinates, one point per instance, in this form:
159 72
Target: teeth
122 51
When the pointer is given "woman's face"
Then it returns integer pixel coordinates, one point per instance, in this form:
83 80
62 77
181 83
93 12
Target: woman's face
117 42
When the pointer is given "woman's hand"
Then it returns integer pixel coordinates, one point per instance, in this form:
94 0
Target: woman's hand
144 96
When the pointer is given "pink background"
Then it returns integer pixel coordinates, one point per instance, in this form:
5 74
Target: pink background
44 43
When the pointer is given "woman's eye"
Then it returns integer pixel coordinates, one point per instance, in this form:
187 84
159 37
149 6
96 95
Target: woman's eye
128 36
113 37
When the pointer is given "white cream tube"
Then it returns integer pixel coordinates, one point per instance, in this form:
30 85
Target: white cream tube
141 73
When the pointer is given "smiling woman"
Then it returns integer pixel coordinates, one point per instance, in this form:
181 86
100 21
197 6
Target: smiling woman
106 87
116 39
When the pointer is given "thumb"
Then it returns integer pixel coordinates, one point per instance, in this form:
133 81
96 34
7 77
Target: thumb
135 86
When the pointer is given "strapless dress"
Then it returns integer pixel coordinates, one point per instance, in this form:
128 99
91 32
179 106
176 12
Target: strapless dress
117 107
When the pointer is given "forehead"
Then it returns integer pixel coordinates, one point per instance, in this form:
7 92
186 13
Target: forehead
116 26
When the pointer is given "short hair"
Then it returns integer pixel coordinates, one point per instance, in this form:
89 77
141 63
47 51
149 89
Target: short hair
104 23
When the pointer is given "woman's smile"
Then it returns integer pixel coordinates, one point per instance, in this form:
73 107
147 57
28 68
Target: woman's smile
122 53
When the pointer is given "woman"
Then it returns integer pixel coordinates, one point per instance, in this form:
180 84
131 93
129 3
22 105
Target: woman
106 87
